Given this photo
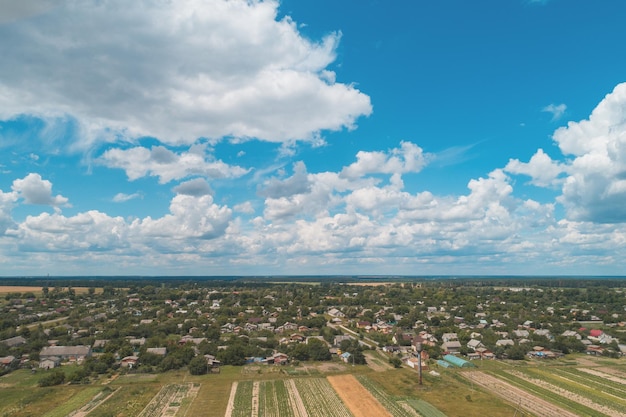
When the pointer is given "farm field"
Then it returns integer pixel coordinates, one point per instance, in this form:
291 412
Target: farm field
12 289
581 386
585 387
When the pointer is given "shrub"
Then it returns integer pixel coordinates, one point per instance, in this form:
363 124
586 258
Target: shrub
56 377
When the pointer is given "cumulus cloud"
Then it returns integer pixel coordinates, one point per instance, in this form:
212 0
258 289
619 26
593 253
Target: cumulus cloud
91 231
168 165
196 187
408 158
176 71
7 201
557 110
595 186
296 184
94 234
541 168
191 217
35 190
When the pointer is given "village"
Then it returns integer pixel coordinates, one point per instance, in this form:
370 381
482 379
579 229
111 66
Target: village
156 328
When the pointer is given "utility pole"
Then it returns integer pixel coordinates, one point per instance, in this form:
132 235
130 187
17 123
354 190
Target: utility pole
418 346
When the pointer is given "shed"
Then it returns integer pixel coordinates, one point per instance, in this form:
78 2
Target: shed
458 362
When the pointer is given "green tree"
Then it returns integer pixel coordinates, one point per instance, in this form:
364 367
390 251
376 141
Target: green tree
395 361
318 350
198 366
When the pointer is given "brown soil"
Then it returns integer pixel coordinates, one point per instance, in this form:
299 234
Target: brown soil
356 397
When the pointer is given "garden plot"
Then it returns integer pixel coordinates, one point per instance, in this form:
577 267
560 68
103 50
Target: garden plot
521 398
169 399
320 399
309 397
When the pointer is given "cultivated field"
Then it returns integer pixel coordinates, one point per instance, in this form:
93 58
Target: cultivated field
582 386
555 389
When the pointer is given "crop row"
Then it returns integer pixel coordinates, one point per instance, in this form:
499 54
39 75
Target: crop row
274 400
594 382
242 405
320 399
580 390
548 395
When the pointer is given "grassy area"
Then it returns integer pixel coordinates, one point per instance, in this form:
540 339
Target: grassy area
214 392
448 393
79 399
127 401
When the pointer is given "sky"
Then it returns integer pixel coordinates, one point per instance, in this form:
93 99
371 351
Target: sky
312 137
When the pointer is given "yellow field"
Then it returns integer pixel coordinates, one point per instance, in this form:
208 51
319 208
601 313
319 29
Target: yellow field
7 289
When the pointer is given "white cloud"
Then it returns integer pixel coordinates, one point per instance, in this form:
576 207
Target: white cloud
296 184
122 198
91 231
196 187
332 222
35 190
557 110
541 168
408 158
161 162
595 186
7 201
191 217
176 71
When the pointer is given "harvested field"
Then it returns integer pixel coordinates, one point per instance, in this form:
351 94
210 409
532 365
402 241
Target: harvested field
6 289
517 396
358 399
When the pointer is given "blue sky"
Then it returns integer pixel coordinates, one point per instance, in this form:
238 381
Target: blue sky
312 137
